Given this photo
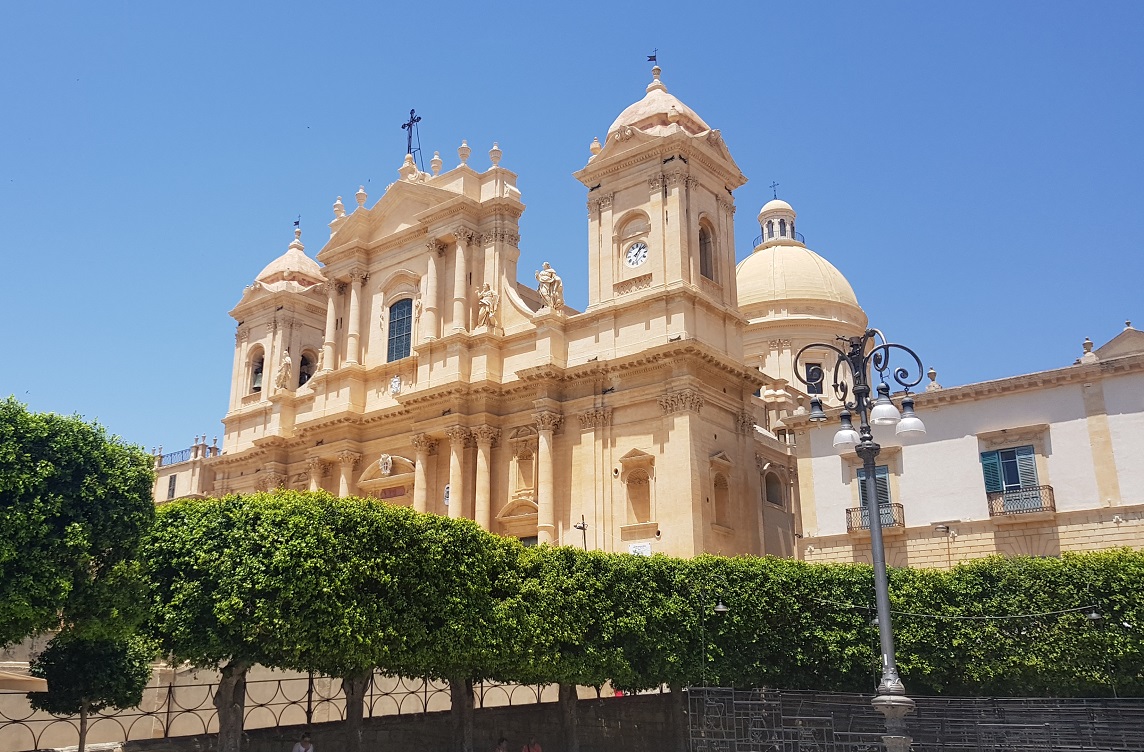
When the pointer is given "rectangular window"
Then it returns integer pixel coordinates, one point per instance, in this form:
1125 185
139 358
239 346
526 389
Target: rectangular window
882 481
400 329
814 388
171 486
1012 473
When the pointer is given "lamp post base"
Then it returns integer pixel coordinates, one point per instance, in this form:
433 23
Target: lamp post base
895 708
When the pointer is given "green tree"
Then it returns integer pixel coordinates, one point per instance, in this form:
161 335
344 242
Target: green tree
208 569
85 676
74 504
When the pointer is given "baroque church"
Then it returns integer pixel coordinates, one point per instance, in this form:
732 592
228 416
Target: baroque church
411 363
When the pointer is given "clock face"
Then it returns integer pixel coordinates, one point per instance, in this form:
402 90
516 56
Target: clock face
636 254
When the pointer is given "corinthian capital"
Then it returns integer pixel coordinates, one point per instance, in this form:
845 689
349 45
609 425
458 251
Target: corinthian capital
463 234
348 458
423 442
546 420
486 435
457 435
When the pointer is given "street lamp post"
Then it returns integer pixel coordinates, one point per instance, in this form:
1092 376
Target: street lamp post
852 381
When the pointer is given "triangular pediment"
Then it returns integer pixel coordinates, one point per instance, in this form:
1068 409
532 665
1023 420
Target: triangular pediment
636 455
1128 342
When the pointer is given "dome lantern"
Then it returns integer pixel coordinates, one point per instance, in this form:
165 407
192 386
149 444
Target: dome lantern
776 220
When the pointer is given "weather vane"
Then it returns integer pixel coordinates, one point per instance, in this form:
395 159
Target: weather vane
652 57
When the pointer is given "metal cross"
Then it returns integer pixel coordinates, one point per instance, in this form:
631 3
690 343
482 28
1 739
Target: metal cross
775 188
413 120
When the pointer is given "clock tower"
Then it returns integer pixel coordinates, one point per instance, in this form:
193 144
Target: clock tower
660 207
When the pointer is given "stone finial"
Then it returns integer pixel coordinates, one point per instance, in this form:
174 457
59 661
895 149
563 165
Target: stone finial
1127 324
339 208
361 196
933 386
595 148
495 154
463 152
655 82
435 163
1089 356
296 243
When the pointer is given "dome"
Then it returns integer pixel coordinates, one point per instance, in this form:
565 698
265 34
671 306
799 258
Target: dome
292 264
784 271
776 204
659 110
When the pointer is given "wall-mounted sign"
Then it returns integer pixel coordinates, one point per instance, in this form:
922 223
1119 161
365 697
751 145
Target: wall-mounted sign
446 494
639 549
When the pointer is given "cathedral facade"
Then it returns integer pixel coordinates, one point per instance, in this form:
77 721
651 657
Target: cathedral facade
410 364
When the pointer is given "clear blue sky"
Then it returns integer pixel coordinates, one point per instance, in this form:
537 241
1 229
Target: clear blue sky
973 168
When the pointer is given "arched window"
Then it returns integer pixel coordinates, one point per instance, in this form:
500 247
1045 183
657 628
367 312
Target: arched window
639 497
256 361
782 227
774 489
706 252
722 501
306 368
770 229
400 329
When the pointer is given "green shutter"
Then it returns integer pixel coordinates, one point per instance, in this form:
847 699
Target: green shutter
991 467
1027 466
881 480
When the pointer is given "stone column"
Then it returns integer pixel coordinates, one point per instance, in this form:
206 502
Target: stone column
424 445
461 280
353 338
487 438
458 437
546 424
430 316
348 461
331 323
315 466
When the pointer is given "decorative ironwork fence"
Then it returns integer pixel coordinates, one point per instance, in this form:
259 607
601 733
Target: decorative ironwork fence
858 518
1022 501
728 720
188 709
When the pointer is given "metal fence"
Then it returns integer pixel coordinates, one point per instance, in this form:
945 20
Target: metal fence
188 709
727 720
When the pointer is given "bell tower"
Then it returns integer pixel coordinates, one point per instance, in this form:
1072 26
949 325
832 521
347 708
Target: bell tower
660 207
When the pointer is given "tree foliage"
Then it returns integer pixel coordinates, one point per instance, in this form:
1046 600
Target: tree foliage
74 503
87 675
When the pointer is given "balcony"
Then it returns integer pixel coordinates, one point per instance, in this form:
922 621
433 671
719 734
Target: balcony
1021 501
758 241
858 518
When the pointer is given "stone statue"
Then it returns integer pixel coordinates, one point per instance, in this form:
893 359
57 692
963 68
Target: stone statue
550 287
488 300
395 385
321 361
282 380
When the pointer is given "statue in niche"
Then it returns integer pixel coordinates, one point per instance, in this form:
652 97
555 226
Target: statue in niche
385 464
282 379
395 385
550 287
488 301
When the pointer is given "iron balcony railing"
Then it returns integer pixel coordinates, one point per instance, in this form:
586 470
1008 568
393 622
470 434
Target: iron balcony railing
858 518
173 458
1022 501
758 241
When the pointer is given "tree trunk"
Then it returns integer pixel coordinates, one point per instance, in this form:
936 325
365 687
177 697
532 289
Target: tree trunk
355 687
678 720
83 706
230 700
569 717
461 695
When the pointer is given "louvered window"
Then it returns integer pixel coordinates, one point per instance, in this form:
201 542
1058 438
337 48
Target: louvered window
400 329
1013 473
882 481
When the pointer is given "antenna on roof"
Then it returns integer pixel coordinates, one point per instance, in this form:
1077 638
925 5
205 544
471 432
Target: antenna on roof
411 128
775 189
